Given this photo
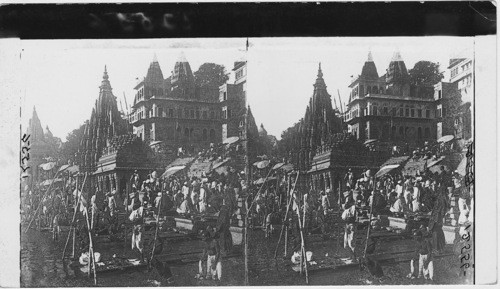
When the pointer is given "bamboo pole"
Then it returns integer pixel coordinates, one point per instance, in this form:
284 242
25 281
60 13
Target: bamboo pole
73 221
303 249
40 203
156 231
91 249
369 224
285 219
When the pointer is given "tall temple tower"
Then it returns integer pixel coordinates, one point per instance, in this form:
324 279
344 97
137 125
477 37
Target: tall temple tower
104 124
39 148
318 124
182 79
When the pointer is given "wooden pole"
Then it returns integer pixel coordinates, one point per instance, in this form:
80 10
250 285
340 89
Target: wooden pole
156 231
246 243
369 225
248 178
285 219
303 257
91 249
74 243
40 203
73 221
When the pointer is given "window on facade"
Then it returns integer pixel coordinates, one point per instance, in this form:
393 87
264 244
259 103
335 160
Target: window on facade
186 133
191 113
160 111
407 112
204 135
225 95
204 114
401 112
186 113
419 112
427 113
212 135
375 110
401 132
212 114
419 133
361 90
197 114
439 94
171 112
412 112
393 111
427 133
444 112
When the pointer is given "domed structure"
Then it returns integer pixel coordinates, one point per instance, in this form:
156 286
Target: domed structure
154 78
182 76
397 72
369 71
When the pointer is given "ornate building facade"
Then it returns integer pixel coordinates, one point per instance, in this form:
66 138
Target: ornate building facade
388 108
173 112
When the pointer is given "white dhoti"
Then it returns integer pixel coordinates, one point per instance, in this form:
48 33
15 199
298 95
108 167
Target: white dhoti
137 238
425 267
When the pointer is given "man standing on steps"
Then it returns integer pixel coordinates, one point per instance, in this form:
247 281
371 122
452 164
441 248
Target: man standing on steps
349 216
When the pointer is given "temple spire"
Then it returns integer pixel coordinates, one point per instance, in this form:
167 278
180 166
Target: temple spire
105 79
370 57
397 56
319 80
155 59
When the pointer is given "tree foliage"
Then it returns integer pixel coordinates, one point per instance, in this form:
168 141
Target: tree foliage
425 73
72 143
211 75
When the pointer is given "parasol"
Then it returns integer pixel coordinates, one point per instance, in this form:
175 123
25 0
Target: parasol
231 140
370 141
262 164
220 164
287 167
446 138
172 171
385 170
278 165
48 182
462 167
431 163
48 166
63 167
262 180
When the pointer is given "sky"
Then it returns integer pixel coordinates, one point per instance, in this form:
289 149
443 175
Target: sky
61 78
282 71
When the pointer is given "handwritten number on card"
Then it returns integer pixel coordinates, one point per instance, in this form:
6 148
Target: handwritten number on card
25 155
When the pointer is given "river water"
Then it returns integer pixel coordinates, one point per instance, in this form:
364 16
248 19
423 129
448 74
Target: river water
41 265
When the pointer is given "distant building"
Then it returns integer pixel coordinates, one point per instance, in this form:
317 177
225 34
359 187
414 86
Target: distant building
388 108
452 115
173 112
462 76
232 98
42 148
